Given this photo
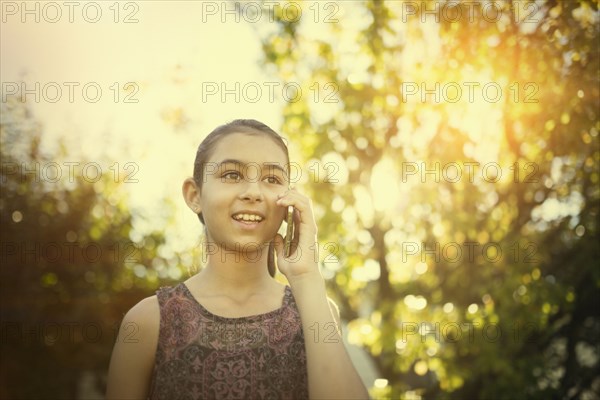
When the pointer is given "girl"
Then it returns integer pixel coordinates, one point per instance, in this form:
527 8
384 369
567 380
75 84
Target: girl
232 331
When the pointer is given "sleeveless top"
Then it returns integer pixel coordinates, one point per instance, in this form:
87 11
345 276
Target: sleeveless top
200 355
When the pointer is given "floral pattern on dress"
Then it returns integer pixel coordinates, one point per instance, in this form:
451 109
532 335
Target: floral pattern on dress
204 356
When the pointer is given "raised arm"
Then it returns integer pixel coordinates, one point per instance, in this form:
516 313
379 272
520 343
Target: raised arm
331 374
132 359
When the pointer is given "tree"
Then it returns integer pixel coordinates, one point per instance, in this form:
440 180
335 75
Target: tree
69 268
465 221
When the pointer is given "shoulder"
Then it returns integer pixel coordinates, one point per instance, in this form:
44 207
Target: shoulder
134 352
145 310
143 318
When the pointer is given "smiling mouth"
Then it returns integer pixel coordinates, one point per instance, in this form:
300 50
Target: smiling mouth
247 218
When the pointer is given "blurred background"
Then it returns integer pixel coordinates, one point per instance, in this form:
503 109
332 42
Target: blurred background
450 149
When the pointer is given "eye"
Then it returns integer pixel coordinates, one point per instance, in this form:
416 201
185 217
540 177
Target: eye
273 180
231 176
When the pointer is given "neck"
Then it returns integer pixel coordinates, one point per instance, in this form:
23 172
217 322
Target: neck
235 272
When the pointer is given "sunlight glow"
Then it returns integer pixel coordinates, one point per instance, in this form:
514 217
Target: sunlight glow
415 302
384 185
381 383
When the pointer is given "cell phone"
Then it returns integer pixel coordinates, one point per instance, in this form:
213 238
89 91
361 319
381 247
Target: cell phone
289 232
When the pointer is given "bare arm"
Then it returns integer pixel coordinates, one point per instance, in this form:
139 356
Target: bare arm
132 359
331 374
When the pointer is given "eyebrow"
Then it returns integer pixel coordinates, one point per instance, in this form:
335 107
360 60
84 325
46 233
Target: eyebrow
243 164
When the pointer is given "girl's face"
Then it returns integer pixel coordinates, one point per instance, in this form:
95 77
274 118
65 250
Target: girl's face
242 179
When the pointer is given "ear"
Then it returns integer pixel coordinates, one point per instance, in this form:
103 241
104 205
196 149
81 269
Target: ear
191 195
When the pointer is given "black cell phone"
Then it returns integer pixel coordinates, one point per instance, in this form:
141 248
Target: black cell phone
289 232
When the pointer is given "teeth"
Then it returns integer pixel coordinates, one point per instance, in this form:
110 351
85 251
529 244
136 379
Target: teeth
247 217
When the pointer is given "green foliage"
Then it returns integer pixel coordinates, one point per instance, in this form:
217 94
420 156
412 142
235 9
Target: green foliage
541 294
69 268
522 324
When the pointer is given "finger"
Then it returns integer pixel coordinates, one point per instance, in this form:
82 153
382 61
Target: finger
280 248
278 242
298 201
296 236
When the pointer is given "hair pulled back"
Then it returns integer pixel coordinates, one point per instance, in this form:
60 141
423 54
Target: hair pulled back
206 149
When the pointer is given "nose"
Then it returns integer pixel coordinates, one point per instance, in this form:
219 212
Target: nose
251 192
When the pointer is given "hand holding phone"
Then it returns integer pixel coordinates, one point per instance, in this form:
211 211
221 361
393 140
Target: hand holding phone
289 232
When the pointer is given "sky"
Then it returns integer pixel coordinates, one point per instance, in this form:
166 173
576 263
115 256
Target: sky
138 84
135 86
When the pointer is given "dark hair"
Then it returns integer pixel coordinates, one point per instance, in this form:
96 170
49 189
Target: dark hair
206 149
247 126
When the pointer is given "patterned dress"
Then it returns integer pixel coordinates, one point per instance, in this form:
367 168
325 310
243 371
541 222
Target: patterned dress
204 356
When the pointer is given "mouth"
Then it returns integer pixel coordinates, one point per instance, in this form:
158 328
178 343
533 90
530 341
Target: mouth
247 218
